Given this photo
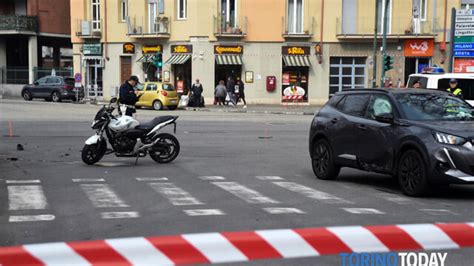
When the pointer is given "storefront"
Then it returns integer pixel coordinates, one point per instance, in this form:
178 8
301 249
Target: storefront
181 67
295 73
93 63
150 59
228 62
418 54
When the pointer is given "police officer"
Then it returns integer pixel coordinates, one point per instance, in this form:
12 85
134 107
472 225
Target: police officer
453 88
128 96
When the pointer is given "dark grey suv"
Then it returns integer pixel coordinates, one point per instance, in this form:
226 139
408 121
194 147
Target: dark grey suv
52 88
423 137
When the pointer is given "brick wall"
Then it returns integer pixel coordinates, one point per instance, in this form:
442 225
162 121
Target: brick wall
54 15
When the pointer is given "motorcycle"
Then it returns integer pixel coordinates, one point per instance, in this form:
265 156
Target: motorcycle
129 138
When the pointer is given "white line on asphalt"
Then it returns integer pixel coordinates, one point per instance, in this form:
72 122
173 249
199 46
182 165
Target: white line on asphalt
151 179
269 177
283 210
311 192
48 254
139 251
174 194
30 218
34 181
245 193
211 178
87 180
119 215
26 198
288 243
215 247
204 212
439 212
358 239
395 199
102 196
363 211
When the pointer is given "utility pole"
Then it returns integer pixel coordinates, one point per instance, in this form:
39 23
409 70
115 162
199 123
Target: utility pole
384 42
374 57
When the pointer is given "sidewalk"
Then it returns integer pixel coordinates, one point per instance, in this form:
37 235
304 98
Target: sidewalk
260 109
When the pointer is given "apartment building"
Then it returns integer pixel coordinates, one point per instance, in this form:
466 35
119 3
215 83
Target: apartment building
311 48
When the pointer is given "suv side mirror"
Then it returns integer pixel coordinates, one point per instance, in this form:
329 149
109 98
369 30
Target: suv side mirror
36 83
385 118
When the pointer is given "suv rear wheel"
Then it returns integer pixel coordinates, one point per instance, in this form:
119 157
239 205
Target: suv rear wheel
27 96
322 161
411 174
56 97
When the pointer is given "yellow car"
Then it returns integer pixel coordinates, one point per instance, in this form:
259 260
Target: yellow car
157 95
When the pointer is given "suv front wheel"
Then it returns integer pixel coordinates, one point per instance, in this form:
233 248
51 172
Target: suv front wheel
411 174
322 161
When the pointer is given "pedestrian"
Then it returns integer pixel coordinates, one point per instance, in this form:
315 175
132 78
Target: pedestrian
240 91
454 89
220 93
128 96
230 90
417 84
196 94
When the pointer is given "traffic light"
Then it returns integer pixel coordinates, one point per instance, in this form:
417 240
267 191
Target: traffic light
159 60
388 62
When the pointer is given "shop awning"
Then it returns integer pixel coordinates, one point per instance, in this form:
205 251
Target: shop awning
296 60
178 59
229 59
146 58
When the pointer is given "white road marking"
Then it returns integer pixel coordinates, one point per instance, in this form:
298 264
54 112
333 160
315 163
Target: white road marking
288 243
48 254
102 196
151 179
174 194
429 236
211 178
30 218
283 210
269 177
34 181
359 239
139 251
204 212
395 199
119 215
105 164
215 247
438 212
363 211
245 193
26 198
311 192
87 180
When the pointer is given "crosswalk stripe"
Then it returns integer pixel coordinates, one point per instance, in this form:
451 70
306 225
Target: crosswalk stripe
177 196
204 212
119 215
288 243
359 239
362 211
48 254
215 247
429 236
245 193
102 196
151 179
283 210
35 181
26 198
87 180
211 178
142 253
311 192
30 218
269 177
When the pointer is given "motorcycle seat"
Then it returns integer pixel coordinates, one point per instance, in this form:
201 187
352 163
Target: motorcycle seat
147 126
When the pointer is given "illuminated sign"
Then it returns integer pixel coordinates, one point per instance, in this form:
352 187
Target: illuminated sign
128 48
181 49
152 49
228 49
295 50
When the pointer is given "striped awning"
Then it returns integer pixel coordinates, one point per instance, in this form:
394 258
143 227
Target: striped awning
178 59
146 58
229 59
296 60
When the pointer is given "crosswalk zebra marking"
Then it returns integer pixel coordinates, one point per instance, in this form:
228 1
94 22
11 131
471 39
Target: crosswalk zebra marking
177 196
204 212
87 180
26 198
438 212
311 193
269 178
119 215
245 193
363 211
208 178
31 218
102 196
151 179
34 181
283 210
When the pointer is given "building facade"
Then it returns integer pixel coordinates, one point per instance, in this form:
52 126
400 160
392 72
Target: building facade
34 39
309 48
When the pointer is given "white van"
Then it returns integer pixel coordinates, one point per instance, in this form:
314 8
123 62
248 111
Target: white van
441 82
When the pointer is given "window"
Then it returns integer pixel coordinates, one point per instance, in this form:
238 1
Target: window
379 104
346 73
152 13
123 10
42 80
422 80
95 15
381 22
355 104
151 87
229 13
181 7
295 16
423 9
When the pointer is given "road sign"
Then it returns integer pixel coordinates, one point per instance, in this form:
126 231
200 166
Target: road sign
464 39
464 53
464 12
464 46
77 77
464 25
464 19
464 32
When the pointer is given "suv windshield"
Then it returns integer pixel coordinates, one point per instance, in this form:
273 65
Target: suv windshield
426 106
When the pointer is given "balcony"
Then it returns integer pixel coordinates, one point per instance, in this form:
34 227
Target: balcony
399 28
140 28
18 24
306 32
223 29
86 31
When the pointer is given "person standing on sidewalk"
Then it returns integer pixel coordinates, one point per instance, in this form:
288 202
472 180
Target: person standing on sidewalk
220 93
230 90
240 91
196 94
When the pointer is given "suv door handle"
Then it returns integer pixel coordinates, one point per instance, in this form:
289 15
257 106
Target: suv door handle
362 127
334 120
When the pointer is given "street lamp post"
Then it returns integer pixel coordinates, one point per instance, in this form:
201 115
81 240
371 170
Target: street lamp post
384 42
374 58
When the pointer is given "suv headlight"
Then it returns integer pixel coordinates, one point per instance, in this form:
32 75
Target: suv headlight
448 139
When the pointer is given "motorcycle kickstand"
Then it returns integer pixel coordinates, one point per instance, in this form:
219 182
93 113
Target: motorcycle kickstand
136 160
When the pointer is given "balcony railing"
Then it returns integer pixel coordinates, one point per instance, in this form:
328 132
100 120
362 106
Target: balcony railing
398 28
19 23
306 32
232 30
85 30
139 27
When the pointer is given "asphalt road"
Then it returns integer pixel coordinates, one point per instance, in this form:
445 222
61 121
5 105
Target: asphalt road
235 172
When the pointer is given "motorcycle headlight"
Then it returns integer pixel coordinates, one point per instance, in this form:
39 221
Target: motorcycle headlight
448 139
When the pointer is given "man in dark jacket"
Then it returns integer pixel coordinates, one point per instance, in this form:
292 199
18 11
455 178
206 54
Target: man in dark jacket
230 89
240 93
196 94
128 96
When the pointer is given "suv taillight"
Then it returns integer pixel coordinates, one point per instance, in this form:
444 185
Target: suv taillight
67 87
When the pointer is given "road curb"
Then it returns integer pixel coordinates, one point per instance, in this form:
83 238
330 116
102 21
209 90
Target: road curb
250 111
244 246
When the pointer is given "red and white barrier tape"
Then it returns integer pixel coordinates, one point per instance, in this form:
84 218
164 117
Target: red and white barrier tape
243 246
293 97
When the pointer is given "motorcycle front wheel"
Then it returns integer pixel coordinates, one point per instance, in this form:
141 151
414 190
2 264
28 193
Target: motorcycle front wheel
93 153
166 150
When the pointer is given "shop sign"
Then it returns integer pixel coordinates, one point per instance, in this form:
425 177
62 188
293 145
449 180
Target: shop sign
128 48
152 49
228 49
419 48
181 49
295 50
463 65
92 49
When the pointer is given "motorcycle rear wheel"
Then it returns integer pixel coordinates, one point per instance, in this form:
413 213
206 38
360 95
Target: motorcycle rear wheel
166 150
93 153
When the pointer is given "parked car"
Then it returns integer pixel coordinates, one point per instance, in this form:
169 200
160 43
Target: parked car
158 95
52 88
422 137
